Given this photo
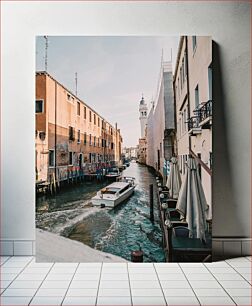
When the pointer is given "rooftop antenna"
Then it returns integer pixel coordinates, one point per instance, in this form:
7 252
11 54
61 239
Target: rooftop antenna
76 83
46 52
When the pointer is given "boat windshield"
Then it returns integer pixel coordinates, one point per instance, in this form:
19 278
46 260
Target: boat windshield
111 190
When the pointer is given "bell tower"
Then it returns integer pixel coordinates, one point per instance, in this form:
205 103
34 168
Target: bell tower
143 109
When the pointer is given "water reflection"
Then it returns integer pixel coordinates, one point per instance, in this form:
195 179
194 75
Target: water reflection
117 231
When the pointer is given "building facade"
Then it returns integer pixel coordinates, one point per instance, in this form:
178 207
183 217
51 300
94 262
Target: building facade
193 98
160 130
70 135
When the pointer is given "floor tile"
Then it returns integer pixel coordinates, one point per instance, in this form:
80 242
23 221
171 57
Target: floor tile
114 284
51 292
169 270
9 270
248 277
229 276
220 270
142 271
195 270
20 292
114 277
114 292
80 300
40 265
166 264
189 300
145 284
204 284
237 259
243 300
55 284
14 264
143 277
200 276
47 300
243 270
217 264
21 258
65 265
88 270
210 292
59 277
241 264
7 276
15 300
178 292
82 292
220 300
117 301
152 301
171 276
86 284
96 264
5 283
239 291
4 259
114 270
25 284
91 277
62 270
32 270
234 284
31 276
140 264
166 284
146 292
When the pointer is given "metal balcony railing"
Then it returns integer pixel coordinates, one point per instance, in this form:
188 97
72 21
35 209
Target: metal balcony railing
205 111
193 122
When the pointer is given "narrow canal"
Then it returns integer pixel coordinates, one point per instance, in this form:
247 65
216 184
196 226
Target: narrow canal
116 231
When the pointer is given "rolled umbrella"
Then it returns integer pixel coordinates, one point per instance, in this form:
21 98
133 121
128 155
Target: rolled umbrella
192 202
174 180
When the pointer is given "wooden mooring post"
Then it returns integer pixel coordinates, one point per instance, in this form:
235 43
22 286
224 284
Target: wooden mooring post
151 204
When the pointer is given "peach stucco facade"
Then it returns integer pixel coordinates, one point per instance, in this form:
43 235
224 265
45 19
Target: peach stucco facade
193 99
75 136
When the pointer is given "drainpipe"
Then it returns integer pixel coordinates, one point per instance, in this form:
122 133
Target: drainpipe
188 88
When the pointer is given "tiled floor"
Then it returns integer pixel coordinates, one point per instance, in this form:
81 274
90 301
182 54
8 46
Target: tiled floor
25 282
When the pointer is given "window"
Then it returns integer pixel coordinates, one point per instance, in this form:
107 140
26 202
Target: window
78 140
98 142
182 121
185 68
196 92
85 112
51 158
194 43
90 139
39 106
211 159
78 108
199 165
112 146
210 72
68 97
94 140
98 122
145 113
183 71
70 162
85 138
90 116
71 133
94 119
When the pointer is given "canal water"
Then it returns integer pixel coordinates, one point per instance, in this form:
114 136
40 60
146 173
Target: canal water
117 231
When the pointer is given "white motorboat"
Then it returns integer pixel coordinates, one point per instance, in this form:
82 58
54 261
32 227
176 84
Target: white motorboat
113 174
115 193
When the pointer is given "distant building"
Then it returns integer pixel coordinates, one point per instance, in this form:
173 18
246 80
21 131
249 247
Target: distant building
141 154
161 123
193 98
130 153
70 135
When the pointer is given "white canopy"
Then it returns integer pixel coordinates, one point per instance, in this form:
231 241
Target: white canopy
174 180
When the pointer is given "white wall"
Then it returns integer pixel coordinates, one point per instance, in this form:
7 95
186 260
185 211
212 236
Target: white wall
229 25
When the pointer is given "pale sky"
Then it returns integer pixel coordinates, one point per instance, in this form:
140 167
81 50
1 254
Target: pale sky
113 72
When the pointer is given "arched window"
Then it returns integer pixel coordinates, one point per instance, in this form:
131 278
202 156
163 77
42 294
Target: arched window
145 113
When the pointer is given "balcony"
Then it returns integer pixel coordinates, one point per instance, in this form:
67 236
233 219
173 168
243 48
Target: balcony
202 119
193 126
205 115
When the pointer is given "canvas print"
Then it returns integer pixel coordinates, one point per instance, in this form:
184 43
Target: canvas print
123 145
